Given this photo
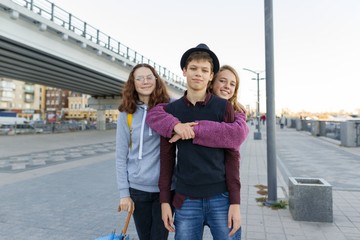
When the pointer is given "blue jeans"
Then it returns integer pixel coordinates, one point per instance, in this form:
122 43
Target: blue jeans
147 215
194 214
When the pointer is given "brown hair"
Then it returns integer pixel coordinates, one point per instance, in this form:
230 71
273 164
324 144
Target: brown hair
130 97
233 99
200 56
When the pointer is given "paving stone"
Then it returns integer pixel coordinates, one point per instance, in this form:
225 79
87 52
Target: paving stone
80 202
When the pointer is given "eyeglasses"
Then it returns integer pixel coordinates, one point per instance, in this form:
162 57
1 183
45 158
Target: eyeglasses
148 78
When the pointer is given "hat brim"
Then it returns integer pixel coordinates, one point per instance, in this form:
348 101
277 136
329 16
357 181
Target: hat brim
186 55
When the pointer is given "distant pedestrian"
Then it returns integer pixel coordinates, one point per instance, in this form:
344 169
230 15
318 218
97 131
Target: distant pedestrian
263 119
282 121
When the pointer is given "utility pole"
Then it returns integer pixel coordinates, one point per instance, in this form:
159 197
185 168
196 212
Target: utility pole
270 104
257 135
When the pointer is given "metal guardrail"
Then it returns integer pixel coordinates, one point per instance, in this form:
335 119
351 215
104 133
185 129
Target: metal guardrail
327 128
333 129
66 20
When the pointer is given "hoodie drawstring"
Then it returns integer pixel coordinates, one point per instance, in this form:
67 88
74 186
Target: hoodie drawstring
142 133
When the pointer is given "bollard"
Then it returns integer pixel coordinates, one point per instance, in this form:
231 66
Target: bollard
310 199
315 128
348 134
298 124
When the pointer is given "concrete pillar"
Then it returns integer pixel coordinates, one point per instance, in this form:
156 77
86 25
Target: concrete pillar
348 134
100 120
102 104
315 128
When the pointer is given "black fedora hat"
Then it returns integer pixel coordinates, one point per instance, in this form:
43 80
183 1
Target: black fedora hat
200 48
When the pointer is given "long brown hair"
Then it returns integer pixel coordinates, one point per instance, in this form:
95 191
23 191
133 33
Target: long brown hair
130 97
233 100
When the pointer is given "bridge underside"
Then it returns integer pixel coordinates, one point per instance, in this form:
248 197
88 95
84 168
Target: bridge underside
21 62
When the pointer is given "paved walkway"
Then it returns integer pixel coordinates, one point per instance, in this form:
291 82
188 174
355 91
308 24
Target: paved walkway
62 186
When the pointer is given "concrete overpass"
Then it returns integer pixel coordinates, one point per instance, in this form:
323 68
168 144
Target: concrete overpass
43 44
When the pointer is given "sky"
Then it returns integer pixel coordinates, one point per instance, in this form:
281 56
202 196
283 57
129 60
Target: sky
316 43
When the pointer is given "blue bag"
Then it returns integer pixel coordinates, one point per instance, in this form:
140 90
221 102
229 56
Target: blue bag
122 236
114 236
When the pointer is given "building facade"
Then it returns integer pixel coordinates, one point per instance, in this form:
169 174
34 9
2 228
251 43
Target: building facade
21 97
37 102
56 104
78 109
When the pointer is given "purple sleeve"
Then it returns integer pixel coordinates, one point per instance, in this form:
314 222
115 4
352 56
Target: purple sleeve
221 134
160 121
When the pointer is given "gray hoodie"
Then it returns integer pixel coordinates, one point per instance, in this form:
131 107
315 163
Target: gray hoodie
138 167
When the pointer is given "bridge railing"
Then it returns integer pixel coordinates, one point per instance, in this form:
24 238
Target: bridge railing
65 19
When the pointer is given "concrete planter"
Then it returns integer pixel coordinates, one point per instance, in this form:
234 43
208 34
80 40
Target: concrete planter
310 199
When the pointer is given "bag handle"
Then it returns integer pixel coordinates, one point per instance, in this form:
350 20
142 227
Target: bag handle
127 219
127 223
129 122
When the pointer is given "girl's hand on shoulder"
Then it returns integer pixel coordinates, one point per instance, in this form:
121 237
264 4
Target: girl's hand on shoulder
174 138
242 108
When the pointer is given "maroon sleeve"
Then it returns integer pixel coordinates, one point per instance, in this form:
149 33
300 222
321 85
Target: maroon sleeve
232 172
232 164
167 165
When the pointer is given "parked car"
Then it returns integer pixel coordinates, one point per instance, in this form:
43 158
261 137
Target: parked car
7 129
27 128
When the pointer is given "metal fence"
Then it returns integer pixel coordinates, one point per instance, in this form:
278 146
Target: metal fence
357 127
333 129
329 128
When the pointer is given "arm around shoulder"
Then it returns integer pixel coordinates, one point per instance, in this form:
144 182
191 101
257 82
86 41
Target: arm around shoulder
222 134
160 121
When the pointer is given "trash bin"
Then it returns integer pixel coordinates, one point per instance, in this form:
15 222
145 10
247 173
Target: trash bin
310 199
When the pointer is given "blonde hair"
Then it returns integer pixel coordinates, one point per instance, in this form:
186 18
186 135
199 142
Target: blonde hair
233 99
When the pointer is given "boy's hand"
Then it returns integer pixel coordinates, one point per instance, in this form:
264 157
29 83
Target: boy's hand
167 217
234 218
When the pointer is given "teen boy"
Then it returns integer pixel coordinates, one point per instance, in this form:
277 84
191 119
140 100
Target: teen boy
202 194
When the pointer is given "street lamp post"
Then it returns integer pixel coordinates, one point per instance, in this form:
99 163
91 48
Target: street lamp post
257 135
